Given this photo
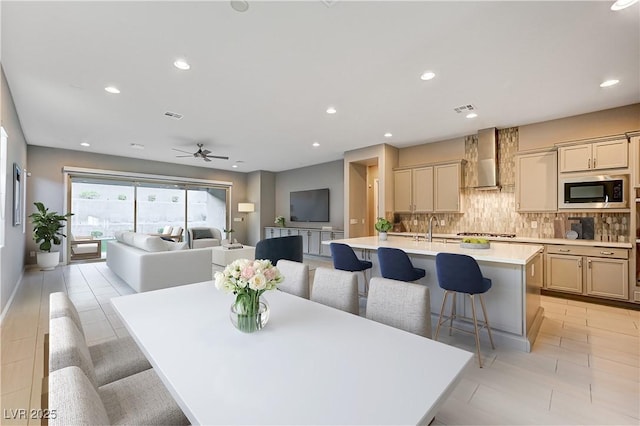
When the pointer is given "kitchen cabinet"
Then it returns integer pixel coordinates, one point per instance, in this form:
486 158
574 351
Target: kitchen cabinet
325 250
413 190
591 271
428 189
447 180
601 155
537 181
635 157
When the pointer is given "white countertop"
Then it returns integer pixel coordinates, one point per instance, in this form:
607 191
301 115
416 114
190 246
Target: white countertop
589 243
499 252
311 364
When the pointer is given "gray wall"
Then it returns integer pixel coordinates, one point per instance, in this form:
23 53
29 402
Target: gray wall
11 255
327 175
46 183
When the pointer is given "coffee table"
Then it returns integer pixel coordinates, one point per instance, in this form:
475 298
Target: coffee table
222 256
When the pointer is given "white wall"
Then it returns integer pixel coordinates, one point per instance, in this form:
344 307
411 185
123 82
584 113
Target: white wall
11 255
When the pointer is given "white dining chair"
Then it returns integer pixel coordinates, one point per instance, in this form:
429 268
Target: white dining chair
112 359
400 304
335 288
296 278
140 399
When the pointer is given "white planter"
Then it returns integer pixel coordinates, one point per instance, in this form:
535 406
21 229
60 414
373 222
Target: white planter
47 261
382 236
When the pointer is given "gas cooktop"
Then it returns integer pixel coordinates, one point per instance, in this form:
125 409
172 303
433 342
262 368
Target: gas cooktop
485 234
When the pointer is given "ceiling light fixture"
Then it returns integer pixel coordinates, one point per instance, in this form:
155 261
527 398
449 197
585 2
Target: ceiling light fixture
331 110
85 144
622 4
427 75
315 144
181 64
472 115
388 135
112 89
240 5
609 83
235 166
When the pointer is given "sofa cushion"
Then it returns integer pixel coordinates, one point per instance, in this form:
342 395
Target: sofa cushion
201 233
149 243
173 246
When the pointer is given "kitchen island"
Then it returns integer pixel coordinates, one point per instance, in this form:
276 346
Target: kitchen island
515 270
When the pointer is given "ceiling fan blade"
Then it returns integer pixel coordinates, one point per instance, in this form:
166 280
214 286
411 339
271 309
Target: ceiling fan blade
179 150
218 156
206 159
205 152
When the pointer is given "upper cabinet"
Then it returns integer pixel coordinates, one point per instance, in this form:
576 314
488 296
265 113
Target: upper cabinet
537 182
607 154
428 189
635 157
413 190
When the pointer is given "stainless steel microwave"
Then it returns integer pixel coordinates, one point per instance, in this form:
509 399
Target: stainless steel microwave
594 192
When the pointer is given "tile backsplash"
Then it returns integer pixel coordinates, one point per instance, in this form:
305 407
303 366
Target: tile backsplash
494 211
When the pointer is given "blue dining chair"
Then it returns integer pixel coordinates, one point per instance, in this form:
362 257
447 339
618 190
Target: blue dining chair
459 273
345 259
396 265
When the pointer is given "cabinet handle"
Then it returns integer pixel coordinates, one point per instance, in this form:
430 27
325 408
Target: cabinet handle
589 264
606 253
580 263
589 163
594 163
564 250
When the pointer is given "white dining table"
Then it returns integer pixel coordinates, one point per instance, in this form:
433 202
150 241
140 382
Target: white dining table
311 364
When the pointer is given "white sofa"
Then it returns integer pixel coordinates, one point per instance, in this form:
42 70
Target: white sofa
147 262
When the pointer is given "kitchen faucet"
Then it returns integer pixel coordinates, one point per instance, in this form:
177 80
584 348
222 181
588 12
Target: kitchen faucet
429 236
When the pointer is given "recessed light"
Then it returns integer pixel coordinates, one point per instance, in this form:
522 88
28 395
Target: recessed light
387 135
240 5
235 166
85 144
181 64
112 89
136 146
472 115
331 110
427 75
609 83
315 144
622 4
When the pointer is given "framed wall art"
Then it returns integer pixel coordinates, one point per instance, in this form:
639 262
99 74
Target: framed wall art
17 195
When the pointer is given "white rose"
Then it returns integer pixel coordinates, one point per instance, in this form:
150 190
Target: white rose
220 281
258 282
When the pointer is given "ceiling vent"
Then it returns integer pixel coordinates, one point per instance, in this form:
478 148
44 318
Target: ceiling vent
464 108
173 115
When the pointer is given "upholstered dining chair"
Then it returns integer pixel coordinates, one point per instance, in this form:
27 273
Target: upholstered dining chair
396 265
400 304
274 249
335 288
459 273
345 259
296 278
141 399
112 360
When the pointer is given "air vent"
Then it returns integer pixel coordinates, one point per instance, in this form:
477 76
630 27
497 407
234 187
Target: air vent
173 115
464 108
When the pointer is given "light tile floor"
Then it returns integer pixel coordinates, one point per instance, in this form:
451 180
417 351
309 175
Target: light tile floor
584 367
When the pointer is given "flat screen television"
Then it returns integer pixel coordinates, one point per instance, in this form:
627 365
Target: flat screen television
309 206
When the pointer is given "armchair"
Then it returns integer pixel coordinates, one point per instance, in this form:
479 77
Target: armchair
201 236
85 247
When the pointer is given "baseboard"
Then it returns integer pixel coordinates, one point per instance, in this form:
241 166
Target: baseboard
13 294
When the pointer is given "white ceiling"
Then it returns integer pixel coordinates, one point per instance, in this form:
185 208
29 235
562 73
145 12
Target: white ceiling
261 81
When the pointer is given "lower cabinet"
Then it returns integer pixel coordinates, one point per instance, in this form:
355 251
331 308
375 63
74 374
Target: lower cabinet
312 238
590 271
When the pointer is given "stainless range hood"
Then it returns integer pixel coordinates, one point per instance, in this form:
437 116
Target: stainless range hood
488 159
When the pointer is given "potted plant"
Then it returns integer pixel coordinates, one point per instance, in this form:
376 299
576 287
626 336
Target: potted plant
47 231
383 226
279 221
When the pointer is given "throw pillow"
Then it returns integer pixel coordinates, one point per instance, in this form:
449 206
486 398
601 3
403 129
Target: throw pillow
201 233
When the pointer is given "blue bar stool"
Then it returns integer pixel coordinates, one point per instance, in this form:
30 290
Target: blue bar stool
345 259
396 265
459 273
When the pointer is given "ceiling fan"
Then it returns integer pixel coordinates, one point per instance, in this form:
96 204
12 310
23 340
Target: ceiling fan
200 153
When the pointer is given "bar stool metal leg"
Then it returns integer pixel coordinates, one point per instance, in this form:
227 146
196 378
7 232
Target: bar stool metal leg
475 326
453 312
486 321
444 301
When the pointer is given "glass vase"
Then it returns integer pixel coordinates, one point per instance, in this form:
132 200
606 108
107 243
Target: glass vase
249 314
